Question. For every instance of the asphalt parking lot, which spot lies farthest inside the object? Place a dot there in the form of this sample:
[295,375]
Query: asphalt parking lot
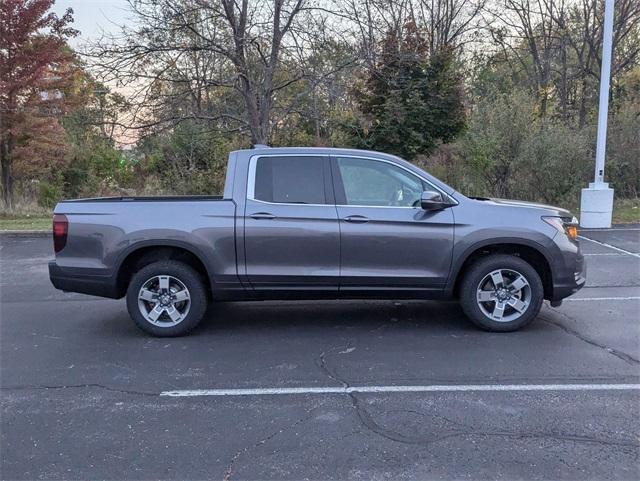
[85,394]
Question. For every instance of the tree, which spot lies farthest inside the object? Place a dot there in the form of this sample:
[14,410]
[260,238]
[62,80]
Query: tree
[32,42]
[316,103]
[527,33]
[452,24]
[557,44]
[222,60]
[92,162]
[411,101]
[583,30]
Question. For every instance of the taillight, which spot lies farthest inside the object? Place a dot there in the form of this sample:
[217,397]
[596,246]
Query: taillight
[60,230]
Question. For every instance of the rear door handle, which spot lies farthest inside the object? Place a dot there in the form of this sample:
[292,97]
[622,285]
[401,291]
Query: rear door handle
[262,215]
[358,219]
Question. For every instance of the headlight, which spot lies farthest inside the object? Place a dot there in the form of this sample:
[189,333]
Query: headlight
[565,225]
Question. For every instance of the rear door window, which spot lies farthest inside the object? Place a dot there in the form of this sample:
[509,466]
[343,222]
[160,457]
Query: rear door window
[290,179]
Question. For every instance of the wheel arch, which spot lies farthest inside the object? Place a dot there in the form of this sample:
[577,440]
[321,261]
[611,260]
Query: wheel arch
[144,253]
[531,252]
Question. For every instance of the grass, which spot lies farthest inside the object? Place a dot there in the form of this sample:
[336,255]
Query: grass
[626,211]
[24,222]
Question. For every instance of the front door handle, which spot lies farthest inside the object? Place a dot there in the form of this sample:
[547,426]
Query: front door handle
[262,215]
[358,219]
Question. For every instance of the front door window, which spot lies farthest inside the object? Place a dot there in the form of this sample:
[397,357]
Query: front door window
[378,184]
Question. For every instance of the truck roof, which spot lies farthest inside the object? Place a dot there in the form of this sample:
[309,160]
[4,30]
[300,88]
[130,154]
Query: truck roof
[265,150]
[260,149]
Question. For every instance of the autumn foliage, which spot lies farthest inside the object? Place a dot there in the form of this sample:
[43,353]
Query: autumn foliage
[35,73]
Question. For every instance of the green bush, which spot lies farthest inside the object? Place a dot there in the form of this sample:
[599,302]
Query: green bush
[492,148]
[553,164]
[622,168]
[509,152]
[190,159]
[49,194]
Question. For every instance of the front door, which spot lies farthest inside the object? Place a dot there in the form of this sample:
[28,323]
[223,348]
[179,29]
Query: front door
[292,241]
[387,241]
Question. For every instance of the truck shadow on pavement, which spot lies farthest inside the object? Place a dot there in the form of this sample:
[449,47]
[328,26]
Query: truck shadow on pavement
[427,316]
[423,317]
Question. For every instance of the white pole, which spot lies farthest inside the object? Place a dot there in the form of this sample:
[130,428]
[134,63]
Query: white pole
[596,204]
[605,75]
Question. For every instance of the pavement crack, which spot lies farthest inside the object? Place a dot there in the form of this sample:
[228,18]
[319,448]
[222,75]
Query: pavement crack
[232,464]
[322,364]
[628,358]
[362,414]
[433,416]
[79,386]
[369,423]
[562,437]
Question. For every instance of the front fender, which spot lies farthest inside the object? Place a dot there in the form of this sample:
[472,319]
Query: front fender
[467,246]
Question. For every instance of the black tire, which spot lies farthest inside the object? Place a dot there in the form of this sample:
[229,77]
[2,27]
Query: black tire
[475,275]
[187,276]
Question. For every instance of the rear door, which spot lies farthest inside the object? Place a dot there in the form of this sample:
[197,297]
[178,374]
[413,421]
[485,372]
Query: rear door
[387,241]
[291,232]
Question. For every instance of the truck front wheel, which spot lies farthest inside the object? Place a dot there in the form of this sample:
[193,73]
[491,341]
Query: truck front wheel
[166,298]
[501,293]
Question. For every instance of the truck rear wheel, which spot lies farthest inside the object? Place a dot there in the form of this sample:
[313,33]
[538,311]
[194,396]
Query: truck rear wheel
[166,298]
[501,293]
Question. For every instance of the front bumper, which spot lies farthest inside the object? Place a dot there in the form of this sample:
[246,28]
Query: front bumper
[75,280]
[571,284]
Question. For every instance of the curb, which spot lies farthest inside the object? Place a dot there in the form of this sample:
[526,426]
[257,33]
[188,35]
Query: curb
[26,233]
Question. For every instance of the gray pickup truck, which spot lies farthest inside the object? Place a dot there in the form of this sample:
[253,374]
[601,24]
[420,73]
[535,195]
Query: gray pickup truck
[317,223]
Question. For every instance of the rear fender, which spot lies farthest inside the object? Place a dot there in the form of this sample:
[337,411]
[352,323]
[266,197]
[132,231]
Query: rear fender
[205,260]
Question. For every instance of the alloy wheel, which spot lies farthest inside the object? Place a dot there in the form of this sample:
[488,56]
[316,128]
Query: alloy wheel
[164,301]
[503,295]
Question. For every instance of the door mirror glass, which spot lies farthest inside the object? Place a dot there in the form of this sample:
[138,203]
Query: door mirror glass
[432,200]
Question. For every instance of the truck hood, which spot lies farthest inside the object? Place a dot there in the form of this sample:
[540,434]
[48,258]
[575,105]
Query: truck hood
[544,208]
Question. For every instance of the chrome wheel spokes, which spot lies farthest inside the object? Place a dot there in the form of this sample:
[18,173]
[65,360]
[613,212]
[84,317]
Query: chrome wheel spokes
[164,300]
[503,295]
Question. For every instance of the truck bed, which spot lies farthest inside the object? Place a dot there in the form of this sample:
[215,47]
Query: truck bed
[158,198]
[103,232]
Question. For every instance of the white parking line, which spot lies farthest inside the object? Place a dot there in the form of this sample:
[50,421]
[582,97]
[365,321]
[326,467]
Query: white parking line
[625,229]
[604,254]
[401,389]
[610,246]
[629,298]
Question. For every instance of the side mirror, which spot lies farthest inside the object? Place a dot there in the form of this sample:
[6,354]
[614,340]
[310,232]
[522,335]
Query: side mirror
[432,200]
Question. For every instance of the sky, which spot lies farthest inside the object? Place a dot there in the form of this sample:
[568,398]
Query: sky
[90,16]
